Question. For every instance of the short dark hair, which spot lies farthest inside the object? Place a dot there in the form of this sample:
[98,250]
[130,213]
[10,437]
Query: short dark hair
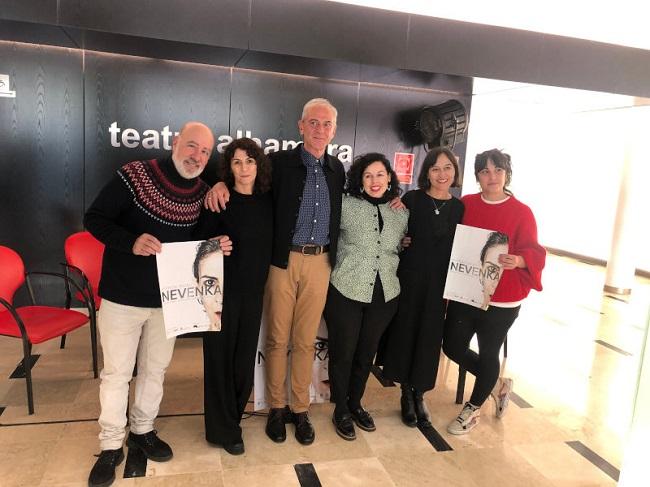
[430,160]
[204,249]
[499,159]
[254,151]
[494,239]
[355,175]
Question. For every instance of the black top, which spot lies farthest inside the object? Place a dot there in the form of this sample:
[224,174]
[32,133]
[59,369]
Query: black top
[143,197]
[431,235]
[248,221]
[289,175]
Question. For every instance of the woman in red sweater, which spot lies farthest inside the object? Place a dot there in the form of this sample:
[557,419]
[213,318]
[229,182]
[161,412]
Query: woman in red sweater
[494,208]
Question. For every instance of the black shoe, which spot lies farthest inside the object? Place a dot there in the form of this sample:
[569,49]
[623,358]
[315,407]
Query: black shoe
[153,447]
[234,448]
[344,426]
[275,428]
[103,472]
[421,410]
[363,419]
[408,407]
[304,430]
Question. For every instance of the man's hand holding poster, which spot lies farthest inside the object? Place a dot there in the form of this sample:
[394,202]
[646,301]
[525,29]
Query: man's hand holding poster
[474,268]
[190,275]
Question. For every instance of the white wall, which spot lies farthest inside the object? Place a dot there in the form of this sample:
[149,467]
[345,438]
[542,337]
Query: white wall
[567,149]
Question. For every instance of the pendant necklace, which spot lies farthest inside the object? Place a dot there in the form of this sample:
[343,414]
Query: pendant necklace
[438,208]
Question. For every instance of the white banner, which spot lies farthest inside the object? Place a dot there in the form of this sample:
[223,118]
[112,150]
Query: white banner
[319,390]
[190,275]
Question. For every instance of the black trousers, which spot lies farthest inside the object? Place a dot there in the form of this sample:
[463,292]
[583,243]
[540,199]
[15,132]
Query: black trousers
[354,329]
[491,327]
[229,363]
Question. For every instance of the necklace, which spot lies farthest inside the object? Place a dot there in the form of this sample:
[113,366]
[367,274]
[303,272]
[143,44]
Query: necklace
[438,208]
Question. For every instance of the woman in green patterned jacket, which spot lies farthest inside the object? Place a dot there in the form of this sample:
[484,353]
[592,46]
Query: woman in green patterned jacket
[364,287]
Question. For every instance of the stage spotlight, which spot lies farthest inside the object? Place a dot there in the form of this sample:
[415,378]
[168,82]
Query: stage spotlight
[440,125]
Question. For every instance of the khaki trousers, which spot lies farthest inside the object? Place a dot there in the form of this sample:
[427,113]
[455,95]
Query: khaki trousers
[294,301]
[127,332]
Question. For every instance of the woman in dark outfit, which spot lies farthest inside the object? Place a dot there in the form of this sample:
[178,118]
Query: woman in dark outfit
[411,347]
[229,355]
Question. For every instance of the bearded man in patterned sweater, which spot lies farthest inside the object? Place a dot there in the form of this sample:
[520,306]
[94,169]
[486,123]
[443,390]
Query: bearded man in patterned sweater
[145,204]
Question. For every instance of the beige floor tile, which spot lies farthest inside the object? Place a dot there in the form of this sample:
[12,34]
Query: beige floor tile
[563,465]
[498,467]
[261,476]
[24,464]
[359,472]
[393,437]
[27,433]
[426,469]
[71,461]
[212,479]
[189,457]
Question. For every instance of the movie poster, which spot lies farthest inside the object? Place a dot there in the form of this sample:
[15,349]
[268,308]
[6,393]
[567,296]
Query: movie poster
[474,269]
[319,389]
[190,275]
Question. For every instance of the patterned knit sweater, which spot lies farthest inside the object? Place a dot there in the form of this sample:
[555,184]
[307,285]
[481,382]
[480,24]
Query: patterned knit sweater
[143,197]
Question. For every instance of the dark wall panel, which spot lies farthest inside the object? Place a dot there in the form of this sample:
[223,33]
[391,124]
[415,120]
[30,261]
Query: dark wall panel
[144,95]
[29,10]
[41,153]
[223,23]
[269,105]
[329,30]
[378,124]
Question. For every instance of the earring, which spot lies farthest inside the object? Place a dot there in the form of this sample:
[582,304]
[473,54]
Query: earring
[389,186]
[361,189]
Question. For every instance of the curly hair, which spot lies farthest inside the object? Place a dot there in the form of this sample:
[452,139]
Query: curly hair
[254,151]
[430,160]
[499,159]
[354,185]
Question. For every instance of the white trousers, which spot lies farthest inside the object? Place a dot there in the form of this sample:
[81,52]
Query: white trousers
[127,332]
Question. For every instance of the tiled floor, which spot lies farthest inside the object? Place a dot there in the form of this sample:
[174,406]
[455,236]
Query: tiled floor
[573,354]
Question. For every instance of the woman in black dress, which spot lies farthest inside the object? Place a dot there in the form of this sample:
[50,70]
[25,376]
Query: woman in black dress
[229,355]
[411,350]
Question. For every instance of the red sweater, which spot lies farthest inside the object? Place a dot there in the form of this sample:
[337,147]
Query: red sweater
[516,220]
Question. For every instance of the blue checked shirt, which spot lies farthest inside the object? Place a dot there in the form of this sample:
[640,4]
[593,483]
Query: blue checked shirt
[313,223]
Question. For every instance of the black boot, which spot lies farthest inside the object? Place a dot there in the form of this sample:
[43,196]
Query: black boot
[421,411]
[408,406]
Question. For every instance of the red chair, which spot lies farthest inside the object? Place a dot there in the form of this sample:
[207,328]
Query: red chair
[84,253]
[37,324]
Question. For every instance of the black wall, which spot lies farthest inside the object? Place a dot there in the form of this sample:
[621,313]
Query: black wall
[57,150]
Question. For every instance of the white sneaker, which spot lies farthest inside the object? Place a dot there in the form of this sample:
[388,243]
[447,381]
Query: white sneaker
[466,420]
[501,395]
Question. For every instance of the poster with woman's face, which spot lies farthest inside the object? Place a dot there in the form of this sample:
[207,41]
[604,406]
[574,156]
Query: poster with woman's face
[190,275]
[474,270]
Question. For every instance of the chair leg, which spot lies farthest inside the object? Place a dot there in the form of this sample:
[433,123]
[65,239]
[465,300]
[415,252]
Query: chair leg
[460,388]
[62,341]
[505,347]
[27,354]
[93,342]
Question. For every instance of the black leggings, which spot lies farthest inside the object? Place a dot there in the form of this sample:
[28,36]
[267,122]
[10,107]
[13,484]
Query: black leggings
[354,330]
[491,328]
